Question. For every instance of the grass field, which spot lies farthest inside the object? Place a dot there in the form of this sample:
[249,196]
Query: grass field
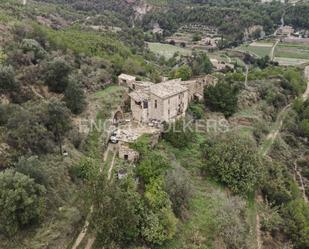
[167,50]
[259,50]
[289,50]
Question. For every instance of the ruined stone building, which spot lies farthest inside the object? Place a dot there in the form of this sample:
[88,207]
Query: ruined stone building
[163,102]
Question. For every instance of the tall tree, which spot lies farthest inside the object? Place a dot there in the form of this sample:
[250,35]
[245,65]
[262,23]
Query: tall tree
[59,121]
[74,97]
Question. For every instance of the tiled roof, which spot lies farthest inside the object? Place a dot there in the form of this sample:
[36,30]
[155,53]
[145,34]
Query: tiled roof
[139,95]
[167,89]
[126,77]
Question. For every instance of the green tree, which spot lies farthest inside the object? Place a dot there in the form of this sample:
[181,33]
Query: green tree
[222,98]
[233,160]
[152,166]
[178,134]
[21,201]
[59,121]
[200,64]
[57,75]
[184,72]
[296,216]
[159,223]
[115,216]
[179,189]
[27,132]
[74,97]
[8,83]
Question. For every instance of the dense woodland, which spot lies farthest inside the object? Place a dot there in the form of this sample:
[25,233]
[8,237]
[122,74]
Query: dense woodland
[191,190]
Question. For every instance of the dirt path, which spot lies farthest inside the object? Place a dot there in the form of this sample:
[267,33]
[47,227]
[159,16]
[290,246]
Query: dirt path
[299,178]
[84,231]
[272,51]
[111,167]
[306,94]
[258,232]
[272,136]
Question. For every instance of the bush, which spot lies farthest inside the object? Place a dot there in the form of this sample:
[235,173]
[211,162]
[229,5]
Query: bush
[27,132]
[178,134]
[33,168]
[21,201]
[197,110]
[233,160]
[8,83]
[57,75]
[296,215]
[32,46]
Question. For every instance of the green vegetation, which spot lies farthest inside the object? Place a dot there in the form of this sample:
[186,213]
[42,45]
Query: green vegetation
[290,50]
[167,50]
[22,201]
[74,97]
[222,98]
[58,61]
[233,161]
[259,51]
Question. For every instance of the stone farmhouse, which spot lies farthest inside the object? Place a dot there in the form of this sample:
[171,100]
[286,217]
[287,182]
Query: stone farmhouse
[163,102]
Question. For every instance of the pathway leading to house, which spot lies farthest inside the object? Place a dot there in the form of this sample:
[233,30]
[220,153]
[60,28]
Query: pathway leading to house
[84,231]
[110,148]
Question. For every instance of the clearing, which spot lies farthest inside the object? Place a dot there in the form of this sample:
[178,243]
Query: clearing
[167,50]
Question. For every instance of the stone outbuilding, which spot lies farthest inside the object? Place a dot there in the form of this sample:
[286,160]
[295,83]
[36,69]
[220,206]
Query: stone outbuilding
[126,153]
[126,80]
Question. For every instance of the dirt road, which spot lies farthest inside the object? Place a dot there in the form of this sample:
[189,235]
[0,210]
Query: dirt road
[84,231]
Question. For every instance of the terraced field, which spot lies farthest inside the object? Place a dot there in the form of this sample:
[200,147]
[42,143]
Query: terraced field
[292,54]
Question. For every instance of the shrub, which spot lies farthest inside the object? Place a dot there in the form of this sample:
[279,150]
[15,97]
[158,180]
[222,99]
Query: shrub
[233,160]
[57,75]
[21,201]
[197,110]
[296,215]
[8,83]
[178,134]
[32,46]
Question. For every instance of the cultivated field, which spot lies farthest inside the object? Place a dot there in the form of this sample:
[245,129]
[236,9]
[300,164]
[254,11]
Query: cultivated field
[292,50]
[259,49]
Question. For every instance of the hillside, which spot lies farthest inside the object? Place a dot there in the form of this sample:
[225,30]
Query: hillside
[82,164]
